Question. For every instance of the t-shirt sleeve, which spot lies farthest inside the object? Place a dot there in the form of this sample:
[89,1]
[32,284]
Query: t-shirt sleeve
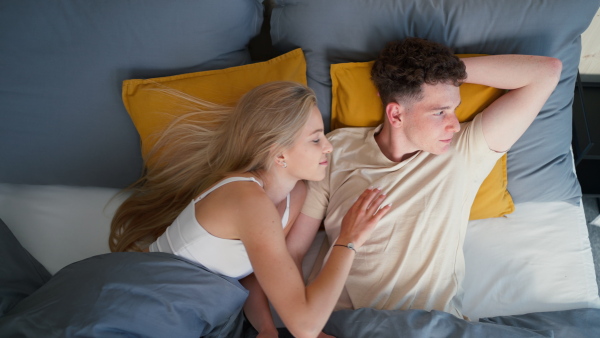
[317,198]
[472,145]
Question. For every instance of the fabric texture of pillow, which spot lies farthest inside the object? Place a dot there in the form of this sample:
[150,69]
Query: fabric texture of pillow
[339,31]
[355,103]
[63,62]
[536,259]
[45,217]
[152,111]
[129,294]
[20,273]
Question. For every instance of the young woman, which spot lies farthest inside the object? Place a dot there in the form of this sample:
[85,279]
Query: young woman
[223,187]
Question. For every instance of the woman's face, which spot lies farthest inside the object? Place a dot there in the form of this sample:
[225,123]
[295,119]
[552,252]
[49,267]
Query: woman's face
[307,159]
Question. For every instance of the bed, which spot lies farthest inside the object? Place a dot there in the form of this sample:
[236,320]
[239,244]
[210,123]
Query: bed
[75,122]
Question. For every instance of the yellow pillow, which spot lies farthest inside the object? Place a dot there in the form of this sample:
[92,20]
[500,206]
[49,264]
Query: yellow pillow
[152,112]
[355,103]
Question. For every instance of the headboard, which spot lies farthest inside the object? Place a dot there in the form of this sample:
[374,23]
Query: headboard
[63,61]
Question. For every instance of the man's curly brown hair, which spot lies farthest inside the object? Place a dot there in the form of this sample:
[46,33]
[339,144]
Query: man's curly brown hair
[404,66]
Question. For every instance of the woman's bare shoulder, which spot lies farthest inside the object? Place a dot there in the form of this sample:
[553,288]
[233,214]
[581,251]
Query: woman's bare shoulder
[234,205]
[240,193]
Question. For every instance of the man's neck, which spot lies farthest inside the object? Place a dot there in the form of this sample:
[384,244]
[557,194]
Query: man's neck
[393,145]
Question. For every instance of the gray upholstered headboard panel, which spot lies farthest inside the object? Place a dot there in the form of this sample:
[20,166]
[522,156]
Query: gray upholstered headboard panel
[62,62]
[335,31]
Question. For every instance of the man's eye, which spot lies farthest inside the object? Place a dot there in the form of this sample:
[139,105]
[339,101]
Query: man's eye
[439,113]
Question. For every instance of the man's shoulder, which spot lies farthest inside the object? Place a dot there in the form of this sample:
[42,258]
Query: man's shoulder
[465,134]
[465,125]
[352,147]
[348,134]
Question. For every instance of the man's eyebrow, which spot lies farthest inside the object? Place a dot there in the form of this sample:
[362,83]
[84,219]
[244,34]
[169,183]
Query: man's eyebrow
[444,107]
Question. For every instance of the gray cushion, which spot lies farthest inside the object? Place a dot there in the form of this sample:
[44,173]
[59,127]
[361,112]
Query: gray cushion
[336,31]
[130,295]
[20,273]
[62,65]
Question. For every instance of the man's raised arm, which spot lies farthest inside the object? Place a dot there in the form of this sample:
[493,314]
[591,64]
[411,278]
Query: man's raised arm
[530,81]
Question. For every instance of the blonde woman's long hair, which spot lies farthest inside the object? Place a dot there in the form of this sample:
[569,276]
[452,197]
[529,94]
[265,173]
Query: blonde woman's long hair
[202,147]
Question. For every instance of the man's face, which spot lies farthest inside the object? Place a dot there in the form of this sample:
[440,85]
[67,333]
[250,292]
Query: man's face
[430,123]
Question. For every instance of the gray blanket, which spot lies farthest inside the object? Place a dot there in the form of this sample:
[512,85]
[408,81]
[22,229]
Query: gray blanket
[419,323]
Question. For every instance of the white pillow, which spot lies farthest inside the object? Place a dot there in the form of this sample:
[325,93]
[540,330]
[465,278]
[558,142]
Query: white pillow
[536,259]
[59,225]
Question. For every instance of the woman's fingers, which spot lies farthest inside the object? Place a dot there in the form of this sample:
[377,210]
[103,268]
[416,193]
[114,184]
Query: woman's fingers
[382,211]
[370,200]
[363,216]
[365,200]
[364,197]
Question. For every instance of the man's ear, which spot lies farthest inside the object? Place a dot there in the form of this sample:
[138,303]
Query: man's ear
[393,112]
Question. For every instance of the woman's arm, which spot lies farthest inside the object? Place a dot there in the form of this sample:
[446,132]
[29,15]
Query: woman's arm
[301,238]
[257,309]
[304,309]
[302,232]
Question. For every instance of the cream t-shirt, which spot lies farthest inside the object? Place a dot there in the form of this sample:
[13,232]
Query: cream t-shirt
[414,258]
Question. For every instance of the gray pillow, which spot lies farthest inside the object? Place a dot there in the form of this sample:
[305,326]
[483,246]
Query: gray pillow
[62,65]
[20,273]
[336,31]
[130,294]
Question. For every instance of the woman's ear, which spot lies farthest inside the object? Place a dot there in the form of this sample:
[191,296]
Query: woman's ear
[394,114]
[280,160]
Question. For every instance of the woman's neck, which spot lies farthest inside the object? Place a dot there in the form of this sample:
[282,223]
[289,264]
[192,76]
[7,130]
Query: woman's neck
[276,185]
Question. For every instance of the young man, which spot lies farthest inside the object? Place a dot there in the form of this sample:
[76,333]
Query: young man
[428,164]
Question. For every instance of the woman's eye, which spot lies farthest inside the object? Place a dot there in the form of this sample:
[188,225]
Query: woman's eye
[316,141]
